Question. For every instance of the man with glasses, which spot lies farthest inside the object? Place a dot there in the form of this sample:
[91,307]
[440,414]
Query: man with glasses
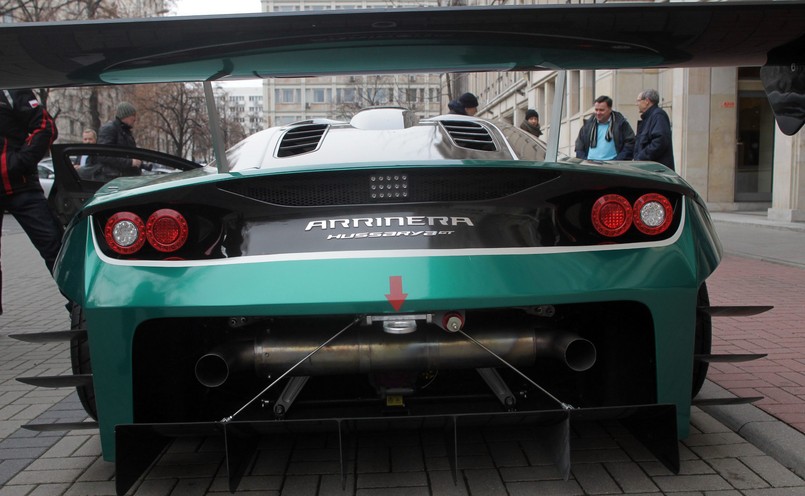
[653,141]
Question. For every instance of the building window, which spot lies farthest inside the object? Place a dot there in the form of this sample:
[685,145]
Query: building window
[319,95]
[287,95]
[347,95]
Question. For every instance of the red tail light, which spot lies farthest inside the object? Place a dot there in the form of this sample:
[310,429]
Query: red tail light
[653,214]
[166,230]
[612,215]
[125,233]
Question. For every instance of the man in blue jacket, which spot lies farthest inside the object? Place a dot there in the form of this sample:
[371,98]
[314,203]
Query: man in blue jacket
[606,135]
[653,141]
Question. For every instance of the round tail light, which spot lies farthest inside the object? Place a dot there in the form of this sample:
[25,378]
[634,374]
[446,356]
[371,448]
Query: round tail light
[653,214]
[166,230]
[612,215]
[124,233]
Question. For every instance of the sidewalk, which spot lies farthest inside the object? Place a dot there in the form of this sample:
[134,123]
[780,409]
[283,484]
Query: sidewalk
[752,235]
[776,423]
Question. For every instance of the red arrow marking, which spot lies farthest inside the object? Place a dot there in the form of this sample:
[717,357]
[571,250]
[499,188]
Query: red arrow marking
[396,297]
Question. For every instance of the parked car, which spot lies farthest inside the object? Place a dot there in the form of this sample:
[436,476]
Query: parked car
[382,270]
[318,279]
[46,174]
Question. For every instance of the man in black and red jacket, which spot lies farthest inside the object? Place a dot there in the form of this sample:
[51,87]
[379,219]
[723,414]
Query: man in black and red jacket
[26,133]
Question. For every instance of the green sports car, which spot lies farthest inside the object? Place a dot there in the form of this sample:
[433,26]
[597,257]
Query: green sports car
[459,280]
[385,271]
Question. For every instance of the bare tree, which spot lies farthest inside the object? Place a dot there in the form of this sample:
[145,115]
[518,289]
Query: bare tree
[366,91]
[372,91]
[172,117]
[169,115]
[232,128]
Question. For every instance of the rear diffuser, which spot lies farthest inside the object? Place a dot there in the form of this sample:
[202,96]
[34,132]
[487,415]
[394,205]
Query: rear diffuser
[139,445]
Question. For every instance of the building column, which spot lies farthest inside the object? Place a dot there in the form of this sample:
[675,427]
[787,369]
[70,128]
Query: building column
[690,119]
[721,136]
[788,194]
[704,120]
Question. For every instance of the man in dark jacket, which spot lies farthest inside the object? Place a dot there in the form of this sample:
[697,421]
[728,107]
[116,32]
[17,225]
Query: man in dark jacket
[467,104]
[26,133]
[118,132]
[531,123]
[653,141]
[606,135]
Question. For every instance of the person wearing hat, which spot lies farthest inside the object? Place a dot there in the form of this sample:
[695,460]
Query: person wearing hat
[118,132]
[467,104]
[531,123]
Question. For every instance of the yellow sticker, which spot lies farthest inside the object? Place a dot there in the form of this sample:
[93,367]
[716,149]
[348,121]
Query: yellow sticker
[395,400]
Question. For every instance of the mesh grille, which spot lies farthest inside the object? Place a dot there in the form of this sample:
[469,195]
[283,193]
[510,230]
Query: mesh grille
[398,186]
[301,139]
[467,134]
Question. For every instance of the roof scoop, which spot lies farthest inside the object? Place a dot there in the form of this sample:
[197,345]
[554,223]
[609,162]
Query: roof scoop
[381,118]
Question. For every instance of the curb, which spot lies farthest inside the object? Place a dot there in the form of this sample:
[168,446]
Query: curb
[756,220]
[772,436]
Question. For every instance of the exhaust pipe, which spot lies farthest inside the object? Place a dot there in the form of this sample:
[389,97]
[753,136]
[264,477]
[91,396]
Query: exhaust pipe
[370,350]
[579,354]
[213,369]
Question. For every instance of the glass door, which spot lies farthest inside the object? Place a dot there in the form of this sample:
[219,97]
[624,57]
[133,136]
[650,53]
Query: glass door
[755,153]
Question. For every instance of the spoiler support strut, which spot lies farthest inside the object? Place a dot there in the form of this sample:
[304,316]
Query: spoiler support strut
[218,145]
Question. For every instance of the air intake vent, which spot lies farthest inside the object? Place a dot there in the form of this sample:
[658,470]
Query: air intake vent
[468,134]
[301,139]
[367,187]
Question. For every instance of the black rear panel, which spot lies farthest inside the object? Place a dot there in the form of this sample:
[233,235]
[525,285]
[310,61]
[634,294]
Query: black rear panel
[394,209]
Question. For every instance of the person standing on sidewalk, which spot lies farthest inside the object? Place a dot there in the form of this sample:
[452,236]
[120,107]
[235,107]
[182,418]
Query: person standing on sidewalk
[606,135]
[653,140]
[88,137]
[467,104]
[531,123]
[118,132]
[26,133]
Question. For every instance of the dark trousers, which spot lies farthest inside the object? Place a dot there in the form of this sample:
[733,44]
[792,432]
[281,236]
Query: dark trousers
[37,220]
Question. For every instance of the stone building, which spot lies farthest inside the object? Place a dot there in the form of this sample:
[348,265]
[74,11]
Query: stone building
[339,97]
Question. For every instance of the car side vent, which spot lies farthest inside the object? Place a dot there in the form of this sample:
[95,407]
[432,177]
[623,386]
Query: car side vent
[468,134]
[301,139]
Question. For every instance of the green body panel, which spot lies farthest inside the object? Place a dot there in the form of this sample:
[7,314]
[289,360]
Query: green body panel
[117,298]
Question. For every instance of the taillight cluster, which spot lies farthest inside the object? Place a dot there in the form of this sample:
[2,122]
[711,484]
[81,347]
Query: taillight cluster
[613,214]
[165,230]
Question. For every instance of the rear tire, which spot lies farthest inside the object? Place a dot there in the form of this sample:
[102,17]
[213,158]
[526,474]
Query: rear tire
[81,361]
[703,340]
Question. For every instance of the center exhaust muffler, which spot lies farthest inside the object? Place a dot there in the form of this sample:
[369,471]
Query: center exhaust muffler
[369,350]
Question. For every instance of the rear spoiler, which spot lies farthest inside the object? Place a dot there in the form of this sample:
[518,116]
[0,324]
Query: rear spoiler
[422,40]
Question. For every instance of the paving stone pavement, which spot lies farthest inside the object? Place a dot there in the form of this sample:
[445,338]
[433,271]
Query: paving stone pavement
[606,459]
[780,377]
